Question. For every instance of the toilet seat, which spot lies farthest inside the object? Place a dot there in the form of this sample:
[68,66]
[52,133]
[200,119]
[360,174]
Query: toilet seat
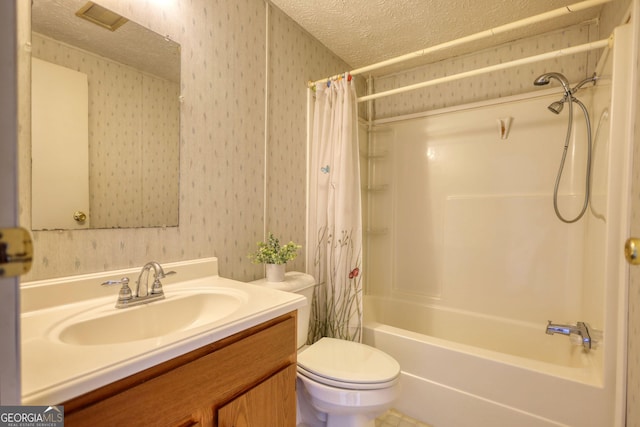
[348,364]
[345,384]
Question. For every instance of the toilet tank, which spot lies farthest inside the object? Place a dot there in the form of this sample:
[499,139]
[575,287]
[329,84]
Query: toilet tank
[298,283]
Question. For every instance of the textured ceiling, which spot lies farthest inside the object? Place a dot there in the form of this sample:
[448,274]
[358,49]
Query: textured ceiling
[363,32]
[130,44]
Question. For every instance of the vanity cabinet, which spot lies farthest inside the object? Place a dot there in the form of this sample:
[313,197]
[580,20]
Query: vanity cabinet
[245,380]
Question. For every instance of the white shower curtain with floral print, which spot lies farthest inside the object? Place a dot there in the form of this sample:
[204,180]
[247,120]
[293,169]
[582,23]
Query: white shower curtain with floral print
[334,253]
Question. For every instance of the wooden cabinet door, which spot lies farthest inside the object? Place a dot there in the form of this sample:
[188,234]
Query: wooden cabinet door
[270,403]
[190,390]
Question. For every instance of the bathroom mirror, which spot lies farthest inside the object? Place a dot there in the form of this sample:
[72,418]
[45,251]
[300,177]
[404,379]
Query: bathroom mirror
[132,126]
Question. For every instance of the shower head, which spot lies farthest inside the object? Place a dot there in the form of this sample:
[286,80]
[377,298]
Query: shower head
[556,107]
[546,78]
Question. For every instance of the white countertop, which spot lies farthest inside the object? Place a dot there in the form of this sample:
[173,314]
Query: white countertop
[54,371]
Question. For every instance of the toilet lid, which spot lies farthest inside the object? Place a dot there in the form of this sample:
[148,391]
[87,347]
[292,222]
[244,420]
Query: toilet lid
[340,361]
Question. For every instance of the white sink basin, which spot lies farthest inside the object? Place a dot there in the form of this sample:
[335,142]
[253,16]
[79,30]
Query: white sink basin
[178,312]
[73,320]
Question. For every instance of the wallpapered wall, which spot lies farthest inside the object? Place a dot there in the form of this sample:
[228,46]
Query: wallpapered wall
[134,133]
[222,150]
[506,82]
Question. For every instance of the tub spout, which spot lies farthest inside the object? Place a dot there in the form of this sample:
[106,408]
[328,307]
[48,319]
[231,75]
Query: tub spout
[588,336]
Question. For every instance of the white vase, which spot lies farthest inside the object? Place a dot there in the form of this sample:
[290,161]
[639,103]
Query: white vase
[275,272]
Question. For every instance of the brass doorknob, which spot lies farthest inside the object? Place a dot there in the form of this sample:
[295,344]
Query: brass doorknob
[631,247]
[79,216]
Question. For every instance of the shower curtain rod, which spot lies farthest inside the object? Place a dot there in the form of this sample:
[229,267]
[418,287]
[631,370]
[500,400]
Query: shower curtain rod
[541,57]
[566,10]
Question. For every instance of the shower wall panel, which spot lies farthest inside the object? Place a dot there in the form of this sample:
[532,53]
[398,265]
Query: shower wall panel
[463,219]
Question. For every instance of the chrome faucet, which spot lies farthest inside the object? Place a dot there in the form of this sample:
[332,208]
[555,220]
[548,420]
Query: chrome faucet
[156,288]
[142,295]
[589,337]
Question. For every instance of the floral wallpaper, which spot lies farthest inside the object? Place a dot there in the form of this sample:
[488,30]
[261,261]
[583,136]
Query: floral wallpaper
[506,82]
[295,59]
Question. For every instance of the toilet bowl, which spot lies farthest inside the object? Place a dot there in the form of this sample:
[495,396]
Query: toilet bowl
[340,383]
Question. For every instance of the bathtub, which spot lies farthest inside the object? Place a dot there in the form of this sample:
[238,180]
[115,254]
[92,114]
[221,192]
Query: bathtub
[465,261]
[463,369]
[459,295]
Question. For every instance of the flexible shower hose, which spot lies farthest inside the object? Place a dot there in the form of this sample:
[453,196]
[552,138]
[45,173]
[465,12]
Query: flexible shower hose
[587,191]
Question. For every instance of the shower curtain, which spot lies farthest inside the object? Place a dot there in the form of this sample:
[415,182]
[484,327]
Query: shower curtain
[334,254]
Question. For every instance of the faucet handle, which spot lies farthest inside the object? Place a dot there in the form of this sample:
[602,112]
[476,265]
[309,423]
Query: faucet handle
[156,288]
[166,273]
[590,336]
[125,293]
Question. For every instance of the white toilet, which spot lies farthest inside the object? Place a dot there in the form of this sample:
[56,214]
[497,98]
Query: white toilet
[340,383]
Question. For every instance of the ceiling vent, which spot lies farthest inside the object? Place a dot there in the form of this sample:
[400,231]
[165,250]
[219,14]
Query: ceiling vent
[101,16]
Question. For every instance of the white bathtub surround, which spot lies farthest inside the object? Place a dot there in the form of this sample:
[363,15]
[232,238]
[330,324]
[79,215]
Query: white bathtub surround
[334,254]
[467,261]
[51,308]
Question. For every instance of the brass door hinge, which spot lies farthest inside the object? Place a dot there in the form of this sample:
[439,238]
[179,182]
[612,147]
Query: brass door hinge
[16,252]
